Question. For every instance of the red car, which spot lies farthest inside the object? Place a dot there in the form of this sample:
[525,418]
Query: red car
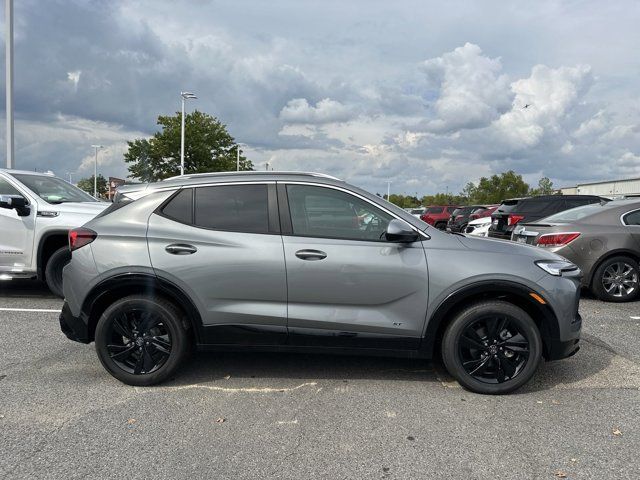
[438,215]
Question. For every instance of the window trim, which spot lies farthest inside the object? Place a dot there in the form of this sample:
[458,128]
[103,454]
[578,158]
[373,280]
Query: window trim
[287,225]
[272,211]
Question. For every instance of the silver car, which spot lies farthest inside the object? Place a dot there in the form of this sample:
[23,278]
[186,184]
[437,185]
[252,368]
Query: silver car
[306,262]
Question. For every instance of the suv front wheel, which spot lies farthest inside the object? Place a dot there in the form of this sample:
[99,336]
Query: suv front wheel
[492,347]
[141,340]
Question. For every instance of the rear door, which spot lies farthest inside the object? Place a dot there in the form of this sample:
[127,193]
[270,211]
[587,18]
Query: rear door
[221,244]
[347,286]
[16,234]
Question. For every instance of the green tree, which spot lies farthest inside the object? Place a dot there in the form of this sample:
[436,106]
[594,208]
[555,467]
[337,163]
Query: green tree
[86,184]
[545,187]
[499,187]
[208,148]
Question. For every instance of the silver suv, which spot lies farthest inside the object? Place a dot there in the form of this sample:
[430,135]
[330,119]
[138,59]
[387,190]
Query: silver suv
[306,262]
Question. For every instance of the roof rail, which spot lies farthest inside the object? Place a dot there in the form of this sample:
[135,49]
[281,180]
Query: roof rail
[250,172]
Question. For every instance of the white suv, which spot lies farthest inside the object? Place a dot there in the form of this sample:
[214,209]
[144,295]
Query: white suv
[37,211]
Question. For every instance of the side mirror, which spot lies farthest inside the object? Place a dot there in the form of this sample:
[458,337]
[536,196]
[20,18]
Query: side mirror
[16,202]
[400,232]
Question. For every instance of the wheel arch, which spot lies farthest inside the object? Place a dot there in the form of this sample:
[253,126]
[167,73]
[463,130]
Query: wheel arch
[124,285]
[512,292]
[49,242]
[613,253]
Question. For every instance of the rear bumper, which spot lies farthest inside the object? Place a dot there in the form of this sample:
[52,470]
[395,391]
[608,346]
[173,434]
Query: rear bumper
[501,235]
[75,328]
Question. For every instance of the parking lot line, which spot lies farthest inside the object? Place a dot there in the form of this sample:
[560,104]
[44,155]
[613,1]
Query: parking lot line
[41,310]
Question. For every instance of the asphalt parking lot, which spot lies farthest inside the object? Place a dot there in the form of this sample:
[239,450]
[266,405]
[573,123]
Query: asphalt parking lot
[308,416]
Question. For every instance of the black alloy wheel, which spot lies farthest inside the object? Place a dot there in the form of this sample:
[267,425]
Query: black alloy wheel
[492,347]
[142,340]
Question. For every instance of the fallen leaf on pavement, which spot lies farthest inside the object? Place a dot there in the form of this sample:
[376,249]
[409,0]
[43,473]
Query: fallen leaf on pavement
[131,421]
[617,432]
[560,474]
[220,420]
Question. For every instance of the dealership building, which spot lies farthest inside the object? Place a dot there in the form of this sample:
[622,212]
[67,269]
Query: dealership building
[609,188]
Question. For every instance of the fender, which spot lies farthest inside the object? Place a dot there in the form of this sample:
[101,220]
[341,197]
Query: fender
[125,284]
[543,315]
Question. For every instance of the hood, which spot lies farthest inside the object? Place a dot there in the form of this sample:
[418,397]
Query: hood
[506,247]
[480,221]
[91,209]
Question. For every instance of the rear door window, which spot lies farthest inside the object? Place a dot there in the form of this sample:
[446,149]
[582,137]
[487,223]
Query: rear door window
[234,208]
[180,207]
[632,218]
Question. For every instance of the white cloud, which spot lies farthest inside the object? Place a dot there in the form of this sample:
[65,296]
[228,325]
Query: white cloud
[472,90]
[541,104]
[326,110]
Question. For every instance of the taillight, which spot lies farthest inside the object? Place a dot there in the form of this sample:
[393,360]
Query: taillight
[556,239]
[458,217]
[474,216]
[79,237]
[513,219]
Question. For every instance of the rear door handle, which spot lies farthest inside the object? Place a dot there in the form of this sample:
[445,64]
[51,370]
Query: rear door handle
[311,254]
[180,249]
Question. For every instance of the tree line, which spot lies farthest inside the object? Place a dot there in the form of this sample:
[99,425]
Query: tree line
[488,190]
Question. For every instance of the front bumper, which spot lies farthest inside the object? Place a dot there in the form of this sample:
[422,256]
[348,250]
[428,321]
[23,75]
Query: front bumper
[75,328]
[558,349]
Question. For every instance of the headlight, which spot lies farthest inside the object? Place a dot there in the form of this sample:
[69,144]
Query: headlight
[556,267]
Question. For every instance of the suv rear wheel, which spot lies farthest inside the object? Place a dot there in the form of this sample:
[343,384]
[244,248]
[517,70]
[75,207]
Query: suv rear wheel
[53,270]
[616,280]
[441,225]
[141,340]
[492,347]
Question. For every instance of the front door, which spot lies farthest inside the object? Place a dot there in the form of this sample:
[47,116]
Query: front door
[347,286]
[16,236]
[222,246]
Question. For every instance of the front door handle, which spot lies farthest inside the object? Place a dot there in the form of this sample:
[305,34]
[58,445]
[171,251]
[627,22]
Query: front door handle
[180,249]
[311,254]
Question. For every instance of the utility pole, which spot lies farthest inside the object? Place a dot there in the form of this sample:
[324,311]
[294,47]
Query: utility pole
[8,42]
[184,96]
[238,157]
[95,172]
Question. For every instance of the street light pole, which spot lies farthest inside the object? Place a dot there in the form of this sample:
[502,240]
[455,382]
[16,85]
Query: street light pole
[238,157]
[388,190]
[184,96]
[8,42]
[95,171]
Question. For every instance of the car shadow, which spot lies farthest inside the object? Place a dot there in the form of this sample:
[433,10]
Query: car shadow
[24,288]
[589,366]
[205,367]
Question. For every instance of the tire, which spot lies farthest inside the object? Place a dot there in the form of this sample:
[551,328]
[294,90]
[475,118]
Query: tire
[53,270]
[441,225]
[609,287]
[518,346]
[141,340]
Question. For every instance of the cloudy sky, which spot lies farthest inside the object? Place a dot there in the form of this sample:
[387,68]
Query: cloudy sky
[429,95]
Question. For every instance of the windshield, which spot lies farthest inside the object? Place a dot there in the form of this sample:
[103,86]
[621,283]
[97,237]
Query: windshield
[575,213]
[53,190]
[416,211]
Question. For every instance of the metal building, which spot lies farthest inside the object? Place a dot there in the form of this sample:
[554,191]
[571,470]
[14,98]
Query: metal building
[609,188]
